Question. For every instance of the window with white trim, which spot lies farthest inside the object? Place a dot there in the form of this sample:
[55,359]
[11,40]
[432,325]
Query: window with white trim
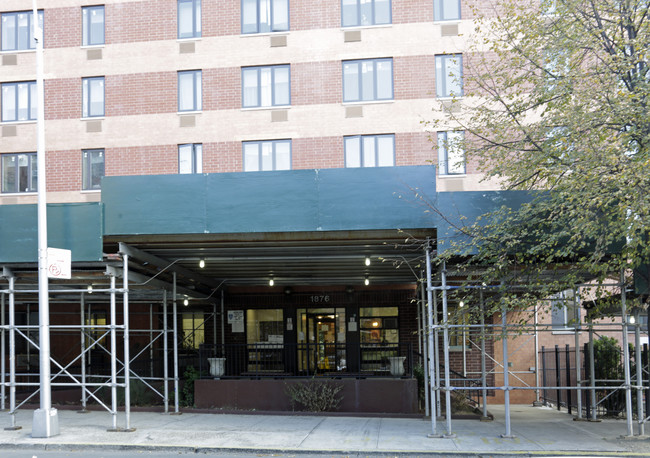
[19,101]
[92,96]
[369,150]
[563,311]
[267,155]
[19,172]
[451,153]
[446,10]
[189,91]
[92,25]
[190,158]
[18,30]
[266,86]
[92,169]
[356,13]
[264,16]
[449,75]
[367,80]
[189,18]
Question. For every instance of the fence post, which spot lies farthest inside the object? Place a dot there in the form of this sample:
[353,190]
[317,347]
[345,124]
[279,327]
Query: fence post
[568,378]
[587,371]
[645,363]
[558,378]
[544,374]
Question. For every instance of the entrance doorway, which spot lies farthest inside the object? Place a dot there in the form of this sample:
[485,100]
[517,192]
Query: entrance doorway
[321,340]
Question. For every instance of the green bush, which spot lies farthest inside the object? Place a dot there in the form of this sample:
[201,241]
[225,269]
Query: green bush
[314,395]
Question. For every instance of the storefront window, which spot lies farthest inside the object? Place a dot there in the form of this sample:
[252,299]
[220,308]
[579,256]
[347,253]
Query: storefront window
[265,338]
[193,330]
[379,325]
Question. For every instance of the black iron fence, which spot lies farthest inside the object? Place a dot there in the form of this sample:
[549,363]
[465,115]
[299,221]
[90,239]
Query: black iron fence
[302,360]
[558,375]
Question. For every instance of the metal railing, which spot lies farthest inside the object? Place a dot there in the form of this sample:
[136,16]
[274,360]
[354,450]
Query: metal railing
[307,359]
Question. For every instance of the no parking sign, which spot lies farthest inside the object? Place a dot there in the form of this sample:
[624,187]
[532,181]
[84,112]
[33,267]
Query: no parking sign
[59,263]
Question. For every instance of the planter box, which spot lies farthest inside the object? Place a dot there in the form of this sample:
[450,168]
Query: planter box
[374,395]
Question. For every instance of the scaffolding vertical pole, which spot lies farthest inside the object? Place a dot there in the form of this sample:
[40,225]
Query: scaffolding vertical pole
[445,348]
[626,359]
[576,334]
[639,373]
[483,366]
[214,327]
[537,401]
[84,400]
[2,352]
[175,332]
[506,383]
[592,372]
[113,357]
[433,360]
[165,354]
[151,340]
[423,338]
[12,354]
[127,352]
[430,338]
[223,324]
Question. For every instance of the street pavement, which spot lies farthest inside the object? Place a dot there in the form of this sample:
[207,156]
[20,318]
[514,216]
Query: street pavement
[537,431]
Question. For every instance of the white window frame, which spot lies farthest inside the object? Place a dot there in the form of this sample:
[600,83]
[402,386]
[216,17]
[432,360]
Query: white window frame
[87,169]
[28,101]
[31,44]
[32,172]
[357,20]
[273,144]
[265,16]
[562,312]
[445,144]
[91,88]
[196,103]
[360,157]
[363,67]
[87,28]
[267,95]
[446,65]
[194,151]
[443,10]
[195,12]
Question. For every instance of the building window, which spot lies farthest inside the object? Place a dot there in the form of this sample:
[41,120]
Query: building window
[193,330]
[189,91]
[369,79]
[19,101]
[92,26]
[446,10]
[451,153]
[548,6]
[267,155]
[563,311]
[189,18]
[92,96]
[365,12]
[370,151]
[263,16]
[92,168]
[190,158]
[18,30]
[19,172]
[266,86]
[449,75]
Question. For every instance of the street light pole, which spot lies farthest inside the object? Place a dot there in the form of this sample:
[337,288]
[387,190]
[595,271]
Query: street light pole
[45,421]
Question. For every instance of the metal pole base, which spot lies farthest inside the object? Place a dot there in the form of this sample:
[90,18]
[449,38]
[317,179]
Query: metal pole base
[487,419]
[83,411]
[537,404]
[435,436]
[449,436]
[508,436]
[176,413]
[13,428]
[120,430]
[45,423]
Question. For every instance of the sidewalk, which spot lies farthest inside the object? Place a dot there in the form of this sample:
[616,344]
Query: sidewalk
[539,431]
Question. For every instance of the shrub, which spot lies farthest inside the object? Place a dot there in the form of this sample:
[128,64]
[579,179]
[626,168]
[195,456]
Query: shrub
[314,395]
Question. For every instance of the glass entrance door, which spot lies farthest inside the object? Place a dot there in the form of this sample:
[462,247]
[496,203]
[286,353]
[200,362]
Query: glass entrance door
[321,340]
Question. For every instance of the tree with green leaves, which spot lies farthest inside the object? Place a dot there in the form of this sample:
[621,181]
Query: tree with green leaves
[556,102]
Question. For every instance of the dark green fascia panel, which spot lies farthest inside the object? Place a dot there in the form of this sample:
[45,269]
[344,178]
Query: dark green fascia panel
[281,201]
[75,226]
[463,208]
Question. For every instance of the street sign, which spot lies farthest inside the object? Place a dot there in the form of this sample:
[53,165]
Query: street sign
[59,263]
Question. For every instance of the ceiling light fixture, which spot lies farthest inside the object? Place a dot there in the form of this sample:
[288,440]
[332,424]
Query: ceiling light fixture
[90,289]
[186,302]
[367,261]
[366,281]
[462,304]
[271,282]
[202,263]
